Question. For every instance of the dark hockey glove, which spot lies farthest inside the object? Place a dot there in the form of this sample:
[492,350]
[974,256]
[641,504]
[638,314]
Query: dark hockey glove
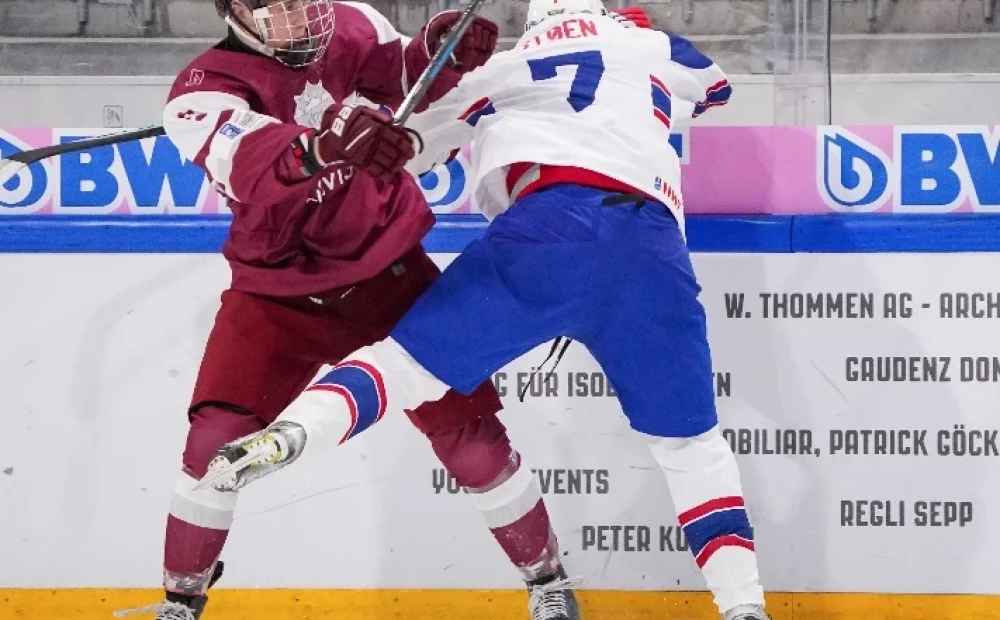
[473,49]
[363,138]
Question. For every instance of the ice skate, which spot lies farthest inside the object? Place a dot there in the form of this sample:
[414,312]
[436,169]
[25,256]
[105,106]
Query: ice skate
[552,598]
[177,606]
[746,612]
[254,456]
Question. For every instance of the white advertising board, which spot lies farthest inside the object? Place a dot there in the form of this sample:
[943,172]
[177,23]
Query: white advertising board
[860,393]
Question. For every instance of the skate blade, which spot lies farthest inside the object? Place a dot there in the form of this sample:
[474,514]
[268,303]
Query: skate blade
[149,609]
[213,476]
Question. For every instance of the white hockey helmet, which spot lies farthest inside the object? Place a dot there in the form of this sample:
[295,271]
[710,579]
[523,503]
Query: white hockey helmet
[540,10]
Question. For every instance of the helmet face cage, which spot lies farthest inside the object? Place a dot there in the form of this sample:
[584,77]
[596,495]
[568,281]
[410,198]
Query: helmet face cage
[296,32]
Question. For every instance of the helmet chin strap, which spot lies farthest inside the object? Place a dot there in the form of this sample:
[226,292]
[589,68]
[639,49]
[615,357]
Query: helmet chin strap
[248,38]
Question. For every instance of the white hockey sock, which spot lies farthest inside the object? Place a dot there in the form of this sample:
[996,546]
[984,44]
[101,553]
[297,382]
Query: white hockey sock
[704,482]
[509,497]
[355,394]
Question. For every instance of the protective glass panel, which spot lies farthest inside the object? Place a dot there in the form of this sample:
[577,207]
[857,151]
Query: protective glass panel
[793,62]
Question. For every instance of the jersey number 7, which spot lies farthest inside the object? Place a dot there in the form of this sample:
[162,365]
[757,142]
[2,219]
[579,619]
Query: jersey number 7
[589,69]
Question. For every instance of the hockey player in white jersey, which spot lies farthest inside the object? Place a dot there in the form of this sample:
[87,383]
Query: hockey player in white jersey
[572,164]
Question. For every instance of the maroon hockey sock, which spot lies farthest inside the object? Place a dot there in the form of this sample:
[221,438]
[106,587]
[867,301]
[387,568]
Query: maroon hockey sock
[190,552]
[199,521]
[530,543]
[504,490]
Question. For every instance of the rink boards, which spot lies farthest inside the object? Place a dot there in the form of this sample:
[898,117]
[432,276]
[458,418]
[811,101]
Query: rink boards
[410,604]
[857,373]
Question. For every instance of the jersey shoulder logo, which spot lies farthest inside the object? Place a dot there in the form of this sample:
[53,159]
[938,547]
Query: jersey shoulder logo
[196,77]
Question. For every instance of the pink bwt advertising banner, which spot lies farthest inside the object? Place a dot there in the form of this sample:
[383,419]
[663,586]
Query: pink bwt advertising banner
[725,170]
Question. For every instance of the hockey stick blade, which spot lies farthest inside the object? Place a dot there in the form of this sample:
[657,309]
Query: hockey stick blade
[10,169]
[437,63]
[29,157]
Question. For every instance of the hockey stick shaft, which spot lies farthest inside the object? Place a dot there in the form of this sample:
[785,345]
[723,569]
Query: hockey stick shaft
[10,166]
[30,157]
[437,63]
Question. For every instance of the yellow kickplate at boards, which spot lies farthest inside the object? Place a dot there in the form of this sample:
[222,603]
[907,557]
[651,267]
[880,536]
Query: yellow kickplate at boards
[236,604]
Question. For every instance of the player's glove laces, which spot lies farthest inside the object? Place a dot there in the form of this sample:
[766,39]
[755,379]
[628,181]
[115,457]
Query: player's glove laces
[562,342]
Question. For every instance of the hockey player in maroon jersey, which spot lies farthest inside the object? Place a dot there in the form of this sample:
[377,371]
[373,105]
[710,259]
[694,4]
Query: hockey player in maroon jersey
[325,254]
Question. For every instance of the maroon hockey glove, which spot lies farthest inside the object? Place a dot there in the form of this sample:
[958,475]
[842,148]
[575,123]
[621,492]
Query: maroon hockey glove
[364,138]
[473,49]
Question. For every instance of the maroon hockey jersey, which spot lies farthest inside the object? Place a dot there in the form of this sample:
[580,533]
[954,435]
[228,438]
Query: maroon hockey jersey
[237,114]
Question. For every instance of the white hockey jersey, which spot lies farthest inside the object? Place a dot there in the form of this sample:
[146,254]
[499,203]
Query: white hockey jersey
[581,91]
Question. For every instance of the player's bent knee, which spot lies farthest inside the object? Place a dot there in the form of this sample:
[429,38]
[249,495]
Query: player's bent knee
[212,426]
[455,410]
[501,487]
[409,384]
[475,454]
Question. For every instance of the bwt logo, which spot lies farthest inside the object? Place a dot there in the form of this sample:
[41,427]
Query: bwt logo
[29,188]
[446,186]
[934,170]
[854,174]
[148,176]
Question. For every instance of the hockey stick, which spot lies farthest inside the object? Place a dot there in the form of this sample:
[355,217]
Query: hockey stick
[437,63]
[11,166]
